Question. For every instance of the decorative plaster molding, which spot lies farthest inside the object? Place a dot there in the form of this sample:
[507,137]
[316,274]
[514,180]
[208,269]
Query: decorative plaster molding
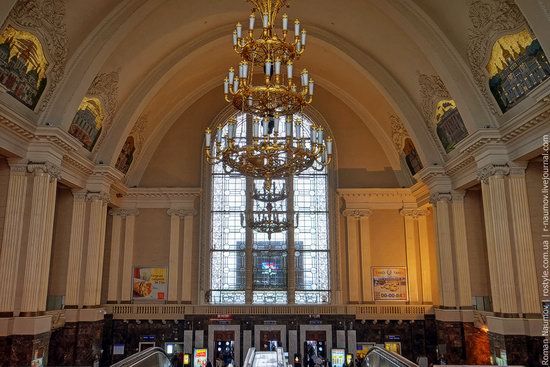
[46,17]
[138,132]
[491,19]
[169,193]
[414,213]
[399,132]
[98,196]
[357,213]
[105,87]
[490,170]
[182,213]
[440,196]
[79,195]
[122,212]
[49,168]
[432,91]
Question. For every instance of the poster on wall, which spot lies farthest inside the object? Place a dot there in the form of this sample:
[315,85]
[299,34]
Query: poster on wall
[150,284]
[200,358]
[338,357]
[389,283]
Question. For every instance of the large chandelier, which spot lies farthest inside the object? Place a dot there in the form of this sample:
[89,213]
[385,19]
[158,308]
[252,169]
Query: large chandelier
[279,145]
[269,220]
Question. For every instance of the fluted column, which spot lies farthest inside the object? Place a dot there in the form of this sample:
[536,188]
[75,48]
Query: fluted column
[114,262]
[425,263]
[366,255]
[128,259]
[96,245]
[76,246]
[461,252]
[444,250]
[523,243]
[494,176]
[413,253]
[173,266]
[355,282]
[39,241]
[11,240]
[187,284]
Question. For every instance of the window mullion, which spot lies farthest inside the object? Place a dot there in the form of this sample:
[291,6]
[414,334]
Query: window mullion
[291,249]
[249,248]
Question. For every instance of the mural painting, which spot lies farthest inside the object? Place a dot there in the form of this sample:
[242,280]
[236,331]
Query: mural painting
[517,65]
[88,121]
[449,125]
[23,66]
[412,158]
[126,155]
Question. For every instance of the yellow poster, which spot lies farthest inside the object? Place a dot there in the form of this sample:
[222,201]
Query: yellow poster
[150,284]
[389,283]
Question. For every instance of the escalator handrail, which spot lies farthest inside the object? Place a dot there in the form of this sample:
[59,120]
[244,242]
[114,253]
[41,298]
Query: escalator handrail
[395,358]
[140,356]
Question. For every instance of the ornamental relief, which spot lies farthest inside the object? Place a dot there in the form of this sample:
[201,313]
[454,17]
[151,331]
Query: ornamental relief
[405,146]
[38,26]
[491,19]
[132,146]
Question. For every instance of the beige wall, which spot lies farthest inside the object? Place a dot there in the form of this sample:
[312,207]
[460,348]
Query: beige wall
[388,238]
[534,187]
[477,243]
[152,238]
[4,182]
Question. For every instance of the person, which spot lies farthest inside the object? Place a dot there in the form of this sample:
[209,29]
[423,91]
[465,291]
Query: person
[422,361]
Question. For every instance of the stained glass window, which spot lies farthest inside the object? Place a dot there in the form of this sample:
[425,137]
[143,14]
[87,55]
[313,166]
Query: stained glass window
[234,248]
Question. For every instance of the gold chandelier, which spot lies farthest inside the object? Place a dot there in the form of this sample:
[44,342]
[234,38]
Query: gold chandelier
[272,91]
[279,146]
[269,220]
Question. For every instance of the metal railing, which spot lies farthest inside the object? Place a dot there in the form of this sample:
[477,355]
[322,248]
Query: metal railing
[152,357]
[380,357]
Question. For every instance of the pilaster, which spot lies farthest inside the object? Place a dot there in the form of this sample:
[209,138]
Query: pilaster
[355,281]
[413,252]
[76,246]
[113,294]
[187,283]
[425,264]
[11,239]
[128,257]
[461,251]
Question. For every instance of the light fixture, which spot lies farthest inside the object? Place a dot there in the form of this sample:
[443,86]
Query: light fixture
[271,104]
[273,90]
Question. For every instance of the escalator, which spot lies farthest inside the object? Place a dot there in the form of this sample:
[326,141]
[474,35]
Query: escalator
[152,357]
[265,359]
[380,357]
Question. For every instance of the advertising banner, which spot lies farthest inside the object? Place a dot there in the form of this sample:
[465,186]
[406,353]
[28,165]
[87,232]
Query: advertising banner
[338,357]
[389,283]
[150,284]
[200,358]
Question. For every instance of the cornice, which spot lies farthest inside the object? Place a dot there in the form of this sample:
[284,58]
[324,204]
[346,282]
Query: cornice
[163,192]
[162,197]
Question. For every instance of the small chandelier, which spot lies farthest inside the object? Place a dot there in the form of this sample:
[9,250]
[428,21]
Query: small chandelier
[269,221]
[274,55]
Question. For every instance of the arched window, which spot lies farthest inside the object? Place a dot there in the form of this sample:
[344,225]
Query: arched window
[247,266]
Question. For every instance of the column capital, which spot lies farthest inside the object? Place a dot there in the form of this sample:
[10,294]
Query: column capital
[44,168]
[17,166]
[122,212]
[413,213]
[98,196]
[182,213]
[357,213]
[490,170]
[440,196]
[79,195]
[458,195]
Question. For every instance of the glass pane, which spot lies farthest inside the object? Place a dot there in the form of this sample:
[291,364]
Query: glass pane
[312,270]
[228,193]
[227,297]
[228,270]
[227,232]
[271,297]
[310,193]
[270,270]
[311,233]
[303,297]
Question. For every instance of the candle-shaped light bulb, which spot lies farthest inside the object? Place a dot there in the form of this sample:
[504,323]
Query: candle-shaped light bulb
[289,69]
[299,46]
[320,134]
[226,86]
[266,20]
[277,66]
[296,28]
[235,38]
[305,78]
[241,69]
[256,129]
[285,22]
[239,30]
[250,100]
[276,121]
[236,85]
[231,76]
[288,127]
[208,137]
[311,87]
[251,21]
[268,67]
[329,145]
[304,37]
[245,69]
[265,126]
[298,127]
[219,136]
[313,134]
